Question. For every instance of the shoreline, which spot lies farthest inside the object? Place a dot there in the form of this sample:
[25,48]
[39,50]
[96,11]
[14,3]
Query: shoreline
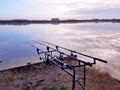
[29,75]
[26,22]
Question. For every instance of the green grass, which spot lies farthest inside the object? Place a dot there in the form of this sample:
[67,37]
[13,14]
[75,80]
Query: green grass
[54,87]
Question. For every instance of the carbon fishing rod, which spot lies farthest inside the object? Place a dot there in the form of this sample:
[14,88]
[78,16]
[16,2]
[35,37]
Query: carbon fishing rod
[98,59]
[87,63]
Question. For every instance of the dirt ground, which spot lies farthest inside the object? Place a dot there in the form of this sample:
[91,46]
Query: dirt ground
[35,77]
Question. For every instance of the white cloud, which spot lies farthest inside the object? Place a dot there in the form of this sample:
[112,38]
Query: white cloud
[94,9]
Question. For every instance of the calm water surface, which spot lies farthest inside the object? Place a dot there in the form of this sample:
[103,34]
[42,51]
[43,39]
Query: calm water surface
[101,40]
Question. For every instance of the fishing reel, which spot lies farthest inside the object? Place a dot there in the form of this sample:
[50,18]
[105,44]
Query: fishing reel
[39,54]
[72,56]
[61,57]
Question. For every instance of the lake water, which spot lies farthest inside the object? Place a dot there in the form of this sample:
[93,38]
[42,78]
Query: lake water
[101,40]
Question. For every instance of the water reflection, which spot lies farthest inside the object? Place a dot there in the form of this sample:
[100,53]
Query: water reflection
[99,40]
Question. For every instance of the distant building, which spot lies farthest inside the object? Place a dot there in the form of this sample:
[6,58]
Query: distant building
[55,19]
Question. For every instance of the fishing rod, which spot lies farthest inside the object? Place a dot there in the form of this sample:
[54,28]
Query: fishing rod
[94,58]
[86,63]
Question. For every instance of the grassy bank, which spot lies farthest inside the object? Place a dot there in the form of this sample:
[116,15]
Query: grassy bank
[42,77]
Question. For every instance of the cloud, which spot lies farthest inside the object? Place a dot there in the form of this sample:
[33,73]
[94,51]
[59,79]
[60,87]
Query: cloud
[96,12]
[93,9]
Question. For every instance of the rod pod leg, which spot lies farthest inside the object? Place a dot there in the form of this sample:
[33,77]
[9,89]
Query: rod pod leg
[73,81]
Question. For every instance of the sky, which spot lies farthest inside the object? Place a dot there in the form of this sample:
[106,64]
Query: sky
[63,9]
